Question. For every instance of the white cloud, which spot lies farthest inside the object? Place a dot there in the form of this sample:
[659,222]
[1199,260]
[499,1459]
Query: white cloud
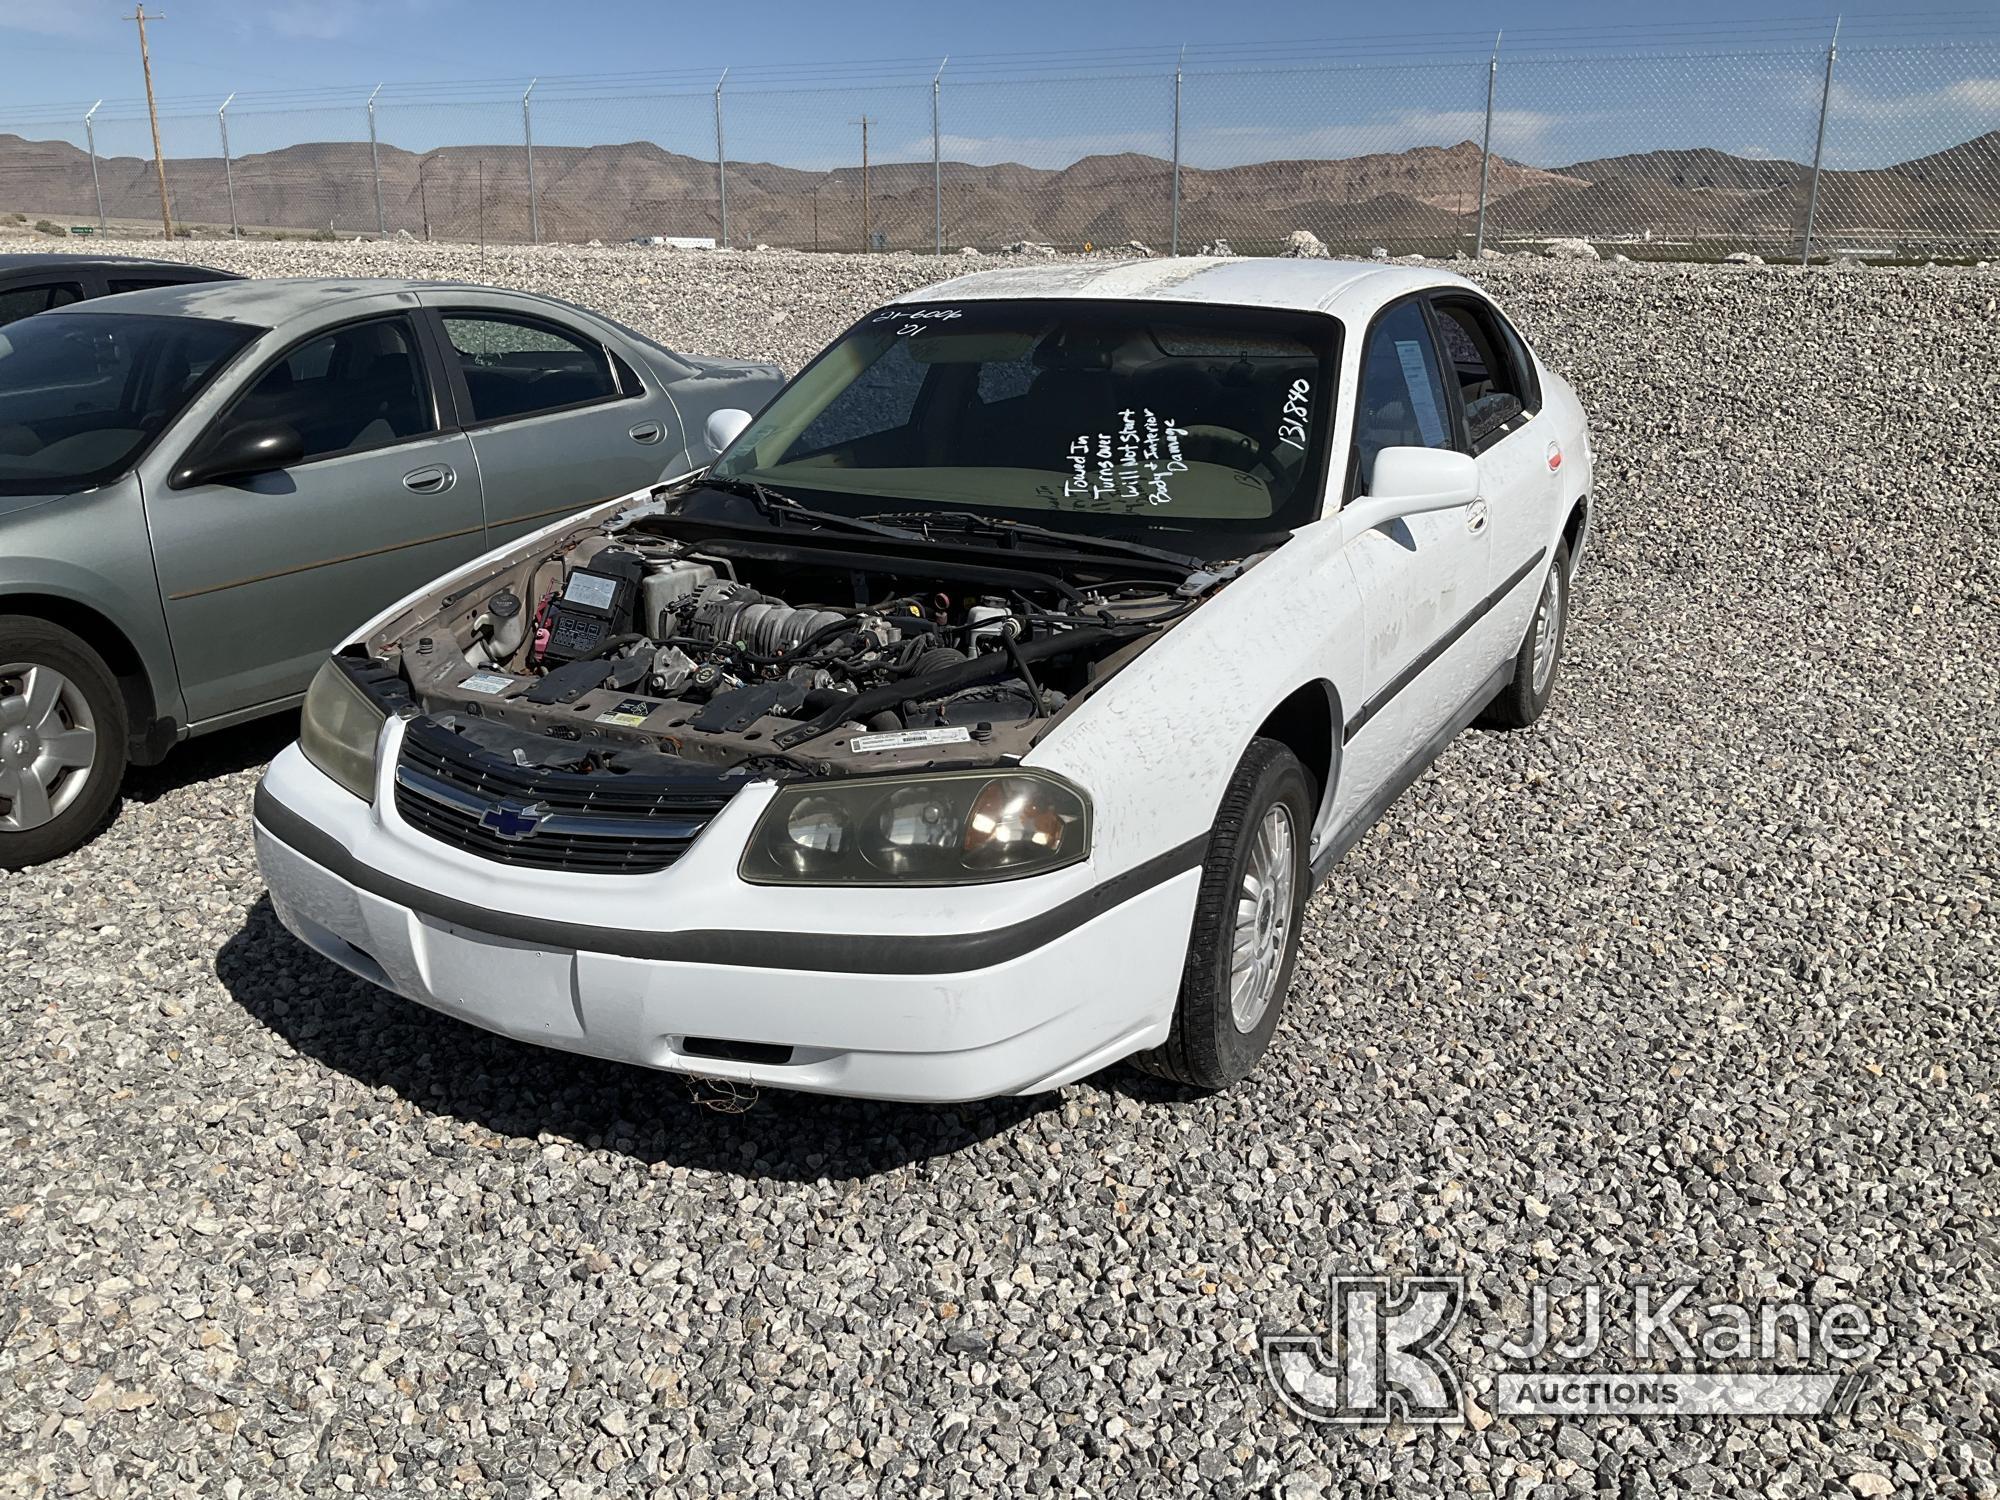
[1970,99]
[47,17]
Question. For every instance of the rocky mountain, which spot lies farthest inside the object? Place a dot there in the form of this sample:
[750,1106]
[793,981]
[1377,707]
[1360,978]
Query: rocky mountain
[1426,196]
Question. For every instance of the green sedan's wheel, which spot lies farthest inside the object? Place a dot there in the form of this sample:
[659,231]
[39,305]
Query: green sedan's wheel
[62,741]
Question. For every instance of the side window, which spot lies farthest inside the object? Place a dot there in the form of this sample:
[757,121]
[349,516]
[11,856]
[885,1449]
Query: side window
[1401,403]
[117,284]
[516,367]
[1490,372]
[883,398]
[355,388]
[24,301]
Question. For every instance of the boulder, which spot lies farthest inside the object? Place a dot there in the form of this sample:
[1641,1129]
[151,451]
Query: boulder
[1303,244]
[1144,252]
[970,250]
[1742,258]
[1030,247]
[1571,250]
[1489,253]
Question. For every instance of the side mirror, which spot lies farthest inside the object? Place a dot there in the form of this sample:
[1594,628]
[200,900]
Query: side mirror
[1413,482]
[724,426]
[242,452]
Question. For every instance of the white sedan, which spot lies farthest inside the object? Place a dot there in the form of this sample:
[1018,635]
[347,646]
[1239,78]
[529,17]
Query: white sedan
[985,714]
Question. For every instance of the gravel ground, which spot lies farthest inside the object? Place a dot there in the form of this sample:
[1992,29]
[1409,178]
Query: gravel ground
[1694,982]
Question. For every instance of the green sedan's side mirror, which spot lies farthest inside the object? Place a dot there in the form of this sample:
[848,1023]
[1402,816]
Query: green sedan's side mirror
[241,452]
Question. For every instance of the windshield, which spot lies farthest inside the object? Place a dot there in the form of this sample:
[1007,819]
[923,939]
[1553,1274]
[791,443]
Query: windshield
[83,394]
[1118,418]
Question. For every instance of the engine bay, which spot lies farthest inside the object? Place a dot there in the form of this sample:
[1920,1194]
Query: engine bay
[655,644]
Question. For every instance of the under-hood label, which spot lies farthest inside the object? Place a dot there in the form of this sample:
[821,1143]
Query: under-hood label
[910,739]
[632,712]
[488,682]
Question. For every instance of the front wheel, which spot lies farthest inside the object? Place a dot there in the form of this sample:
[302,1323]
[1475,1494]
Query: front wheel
[1539,661]
[62,741]
[1247,917]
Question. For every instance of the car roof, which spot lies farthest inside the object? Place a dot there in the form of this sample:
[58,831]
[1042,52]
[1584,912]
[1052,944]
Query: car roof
[63,260]
[1346,288]
[273,302]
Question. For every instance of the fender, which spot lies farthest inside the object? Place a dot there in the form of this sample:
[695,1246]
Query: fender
[27,571]
[1281,625]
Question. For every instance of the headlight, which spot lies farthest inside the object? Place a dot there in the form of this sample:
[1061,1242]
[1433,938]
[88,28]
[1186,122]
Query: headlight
[954,828]
[338,728]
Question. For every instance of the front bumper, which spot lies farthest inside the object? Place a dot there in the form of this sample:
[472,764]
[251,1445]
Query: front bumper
[917,995]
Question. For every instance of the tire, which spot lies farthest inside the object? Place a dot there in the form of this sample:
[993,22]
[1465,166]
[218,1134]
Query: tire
[1522,701]
[63,741]
[1213,1043]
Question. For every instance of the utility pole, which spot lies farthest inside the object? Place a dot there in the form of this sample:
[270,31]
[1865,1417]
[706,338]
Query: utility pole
[867,217]
[482,210]
[153,113]
[424,193]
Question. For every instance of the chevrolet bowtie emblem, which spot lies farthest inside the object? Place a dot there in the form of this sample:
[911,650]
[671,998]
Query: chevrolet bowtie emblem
[513,821]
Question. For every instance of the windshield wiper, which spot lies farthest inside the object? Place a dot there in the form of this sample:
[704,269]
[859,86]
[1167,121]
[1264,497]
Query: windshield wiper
[967,520]
[777,507]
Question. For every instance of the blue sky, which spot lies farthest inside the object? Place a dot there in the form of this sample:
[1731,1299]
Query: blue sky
[803,71]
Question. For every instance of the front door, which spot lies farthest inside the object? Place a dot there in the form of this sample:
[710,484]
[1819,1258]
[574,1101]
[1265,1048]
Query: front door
[557,421]
[263,575]
[1421,579]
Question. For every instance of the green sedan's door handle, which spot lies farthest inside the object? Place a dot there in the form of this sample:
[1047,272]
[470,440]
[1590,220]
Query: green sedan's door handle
[432,479]
[647,432]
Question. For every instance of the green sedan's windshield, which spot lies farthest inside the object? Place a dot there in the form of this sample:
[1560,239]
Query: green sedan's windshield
[83,394]
[1108,417]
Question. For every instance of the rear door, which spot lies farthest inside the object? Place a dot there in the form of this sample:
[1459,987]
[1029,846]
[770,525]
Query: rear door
[1519,459]
[263,575]
[558,418]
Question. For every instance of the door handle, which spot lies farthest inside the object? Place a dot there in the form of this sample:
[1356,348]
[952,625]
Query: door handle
[431,479]
[647,432]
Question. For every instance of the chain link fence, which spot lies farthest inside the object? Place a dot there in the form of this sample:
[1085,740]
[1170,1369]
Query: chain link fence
[1878,151]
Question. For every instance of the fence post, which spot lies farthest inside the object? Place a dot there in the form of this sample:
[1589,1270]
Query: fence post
[1486,148]
[937,165]
[528,140]
[1174,234]
[721,171]
[375,168]
[1819,145]
[90,136]
[228,166]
